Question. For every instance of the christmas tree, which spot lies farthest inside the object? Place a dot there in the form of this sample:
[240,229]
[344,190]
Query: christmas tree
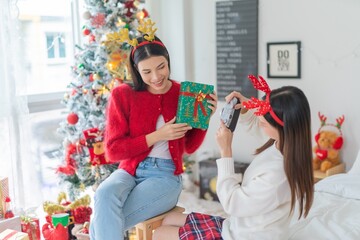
[99,66]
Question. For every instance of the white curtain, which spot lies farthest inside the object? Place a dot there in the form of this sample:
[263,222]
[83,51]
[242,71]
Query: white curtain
[15,159]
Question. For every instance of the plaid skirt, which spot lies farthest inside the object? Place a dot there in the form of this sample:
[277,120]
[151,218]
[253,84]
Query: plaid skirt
[201,227]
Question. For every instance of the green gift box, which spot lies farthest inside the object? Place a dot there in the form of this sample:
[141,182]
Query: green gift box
[193,106]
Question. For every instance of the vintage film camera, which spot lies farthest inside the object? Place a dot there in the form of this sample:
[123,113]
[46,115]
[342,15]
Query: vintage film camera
[229,115]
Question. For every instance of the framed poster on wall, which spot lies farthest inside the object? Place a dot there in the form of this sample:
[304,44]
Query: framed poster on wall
[284,60]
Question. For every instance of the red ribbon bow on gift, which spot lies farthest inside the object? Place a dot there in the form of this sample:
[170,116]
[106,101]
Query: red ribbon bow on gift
[199,98]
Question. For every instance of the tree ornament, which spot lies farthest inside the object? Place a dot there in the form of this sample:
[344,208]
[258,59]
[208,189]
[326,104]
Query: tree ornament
[140,15]
[73,92]
[86,31]
[91,77]
[87,15]
[98,21]
[81,66]
[94,140]
[72,118]
[96,76]
[92,38]
[128,13]
[129,4]
[146,13]
[69,167]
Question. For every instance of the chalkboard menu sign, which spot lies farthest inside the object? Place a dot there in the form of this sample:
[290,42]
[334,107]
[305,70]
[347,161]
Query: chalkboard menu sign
[236,46]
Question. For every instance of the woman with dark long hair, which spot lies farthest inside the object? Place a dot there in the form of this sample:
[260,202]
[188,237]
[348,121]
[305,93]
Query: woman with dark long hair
[261,205]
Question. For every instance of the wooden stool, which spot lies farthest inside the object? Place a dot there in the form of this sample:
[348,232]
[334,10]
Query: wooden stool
[144,230]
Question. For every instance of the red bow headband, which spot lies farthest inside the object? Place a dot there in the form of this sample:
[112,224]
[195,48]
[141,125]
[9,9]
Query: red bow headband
[263,107]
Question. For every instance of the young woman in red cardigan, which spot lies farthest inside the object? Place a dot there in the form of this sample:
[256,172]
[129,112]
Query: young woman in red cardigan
[142,135]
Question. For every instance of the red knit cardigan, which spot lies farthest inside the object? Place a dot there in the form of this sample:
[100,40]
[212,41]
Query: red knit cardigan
[133,114]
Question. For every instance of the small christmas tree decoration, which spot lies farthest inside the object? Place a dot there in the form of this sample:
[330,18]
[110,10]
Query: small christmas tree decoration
[72,118]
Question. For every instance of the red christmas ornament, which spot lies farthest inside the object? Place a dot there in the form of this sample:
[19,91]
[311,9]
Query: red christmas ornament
[129,13]
[129,4]
[145,13]
[82,142]
[92,38]
[86,31]
[72,118]
[91,77]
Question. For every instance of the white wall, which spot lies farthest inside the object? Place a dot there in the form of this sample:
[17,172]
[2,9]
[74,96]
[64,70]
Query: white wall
[330,36]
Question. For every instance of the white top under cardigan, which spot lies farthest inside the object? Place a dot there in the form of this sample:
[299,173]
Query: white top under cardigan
[259,207]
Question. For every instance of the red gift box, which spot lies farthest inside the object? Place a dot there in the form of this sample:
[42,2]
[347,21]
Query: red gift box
[31,226]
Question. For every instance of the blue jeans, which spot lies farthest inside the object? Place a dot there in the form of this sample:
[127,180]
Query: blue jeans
[123,200]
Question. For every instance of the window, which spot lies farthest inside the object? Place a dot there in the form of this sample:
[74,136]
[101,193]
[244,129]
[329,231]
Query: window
[47,51]
[55,43]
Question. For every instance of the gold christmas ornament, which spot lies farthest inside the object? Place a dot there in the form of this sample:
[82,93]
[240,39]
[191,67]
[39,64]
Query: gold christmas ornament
[96,76]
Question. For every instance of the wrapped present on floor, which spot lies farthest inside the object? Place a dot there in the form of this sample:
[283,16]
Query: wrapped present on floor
[31,226]
[193,106]
[4,193]
[10,234]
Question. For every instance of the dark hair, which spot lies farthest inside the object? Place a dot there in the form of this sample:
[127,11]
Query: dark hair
[291,105]
[142,53]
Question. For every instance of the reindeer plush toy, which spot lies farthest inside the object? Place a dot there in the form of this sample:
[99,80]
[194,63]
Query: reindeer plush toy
[328,144]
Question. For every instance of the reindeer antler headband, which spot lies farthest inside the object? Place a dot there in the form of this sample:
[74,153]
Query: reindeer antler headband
[339,121]
[263,107]
[146,28]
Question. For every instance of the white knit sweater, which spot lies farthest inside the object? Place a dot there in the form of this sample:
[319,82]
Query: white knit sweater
[258,207]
